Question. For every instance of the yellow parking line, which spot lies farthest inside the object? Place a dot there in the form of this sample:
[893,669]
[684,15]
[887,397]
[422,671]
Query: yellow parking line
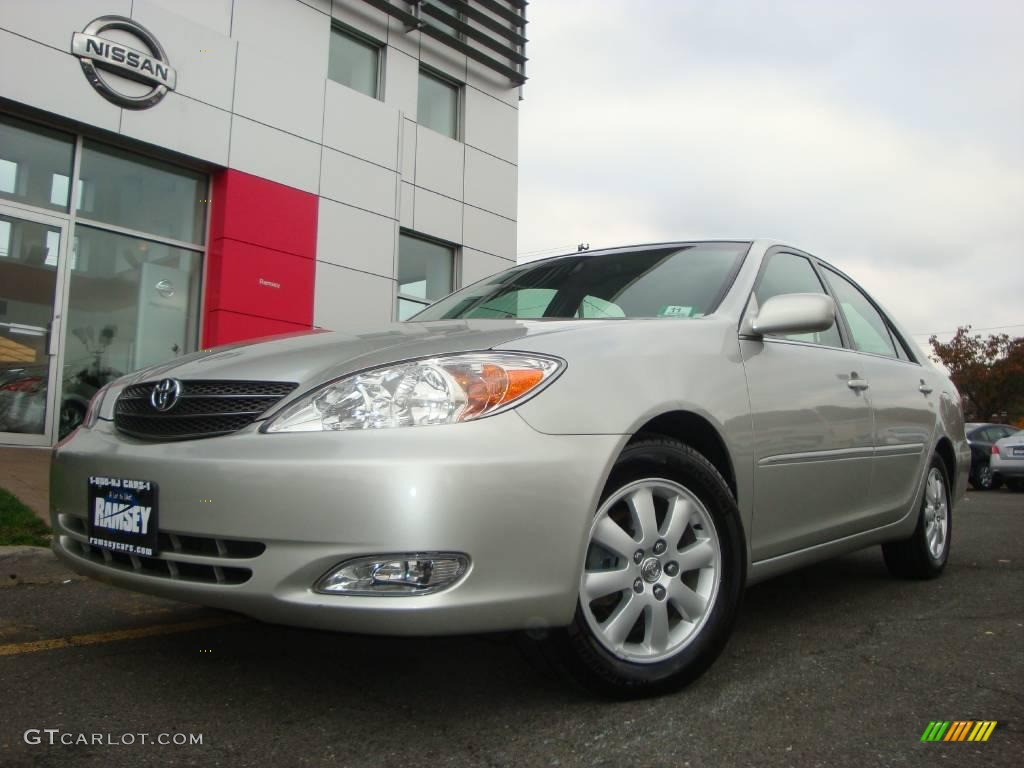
[72,641]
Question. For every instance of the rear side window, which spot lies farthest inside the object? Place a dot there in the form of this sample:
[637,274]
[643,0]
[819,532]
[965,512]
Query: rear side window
[789,273]
[868,328]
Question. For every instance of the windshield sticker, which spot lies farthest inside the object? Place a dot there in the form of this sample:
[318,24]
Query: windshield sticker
[674,310]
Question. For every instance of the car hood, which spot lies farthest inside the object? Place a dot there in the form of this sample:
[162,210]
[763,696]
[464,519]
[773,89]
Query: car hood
[314,357]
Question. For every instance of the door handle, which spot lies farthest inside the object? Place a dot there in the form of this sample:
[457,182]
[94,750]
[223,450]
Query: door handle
[925,388]
[856,383]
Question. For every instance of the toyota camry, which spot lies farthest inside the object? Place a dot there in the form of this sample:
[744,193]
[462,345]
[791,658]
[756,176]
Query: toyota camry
[604,448]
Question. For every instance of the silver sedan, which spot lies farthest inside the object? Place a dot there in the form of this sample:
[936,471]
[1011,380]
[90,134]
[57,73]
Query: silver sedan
[604,448]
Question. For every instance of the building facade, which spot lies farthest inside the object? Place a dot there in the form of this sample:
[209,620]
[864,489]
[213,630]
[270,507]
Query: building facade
[178,174]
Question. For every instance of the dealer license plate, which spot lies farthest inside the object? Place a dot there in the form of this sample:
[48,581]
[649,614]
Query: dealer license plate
[122,515]
[1018,450]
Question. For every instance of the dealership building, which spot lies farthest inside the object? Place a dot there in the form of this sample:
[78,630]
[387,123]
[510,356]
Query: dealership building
[178,174]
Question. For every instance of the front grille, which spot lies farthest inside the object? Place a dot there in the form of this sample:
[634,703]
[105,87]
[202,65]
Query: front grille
[169,565]
[203,408]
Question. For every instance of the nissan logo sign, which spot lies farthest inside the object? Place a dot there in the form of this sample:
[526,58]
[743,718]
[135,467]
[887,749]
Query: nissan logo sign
[165,394]
[99,54]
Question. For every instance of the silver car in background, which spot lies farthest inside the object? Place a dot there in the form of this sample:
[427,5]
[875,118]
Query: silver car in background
[605,448]
[1007,461]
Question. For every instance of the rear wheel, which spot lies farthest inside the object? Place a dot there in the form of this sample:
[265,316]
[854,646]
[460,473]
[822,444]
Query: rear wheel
[662,577]
[924,554]
[985,479]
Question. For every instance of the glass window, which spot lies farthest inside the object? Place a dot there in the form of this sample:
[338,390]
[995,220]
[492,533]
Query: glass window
[140,193]
[867,326]
[678,282]
[438,105]
[35,164]
[789,273]
[424,273]
[132,303]
[28,280]
[444,5]
[354,62]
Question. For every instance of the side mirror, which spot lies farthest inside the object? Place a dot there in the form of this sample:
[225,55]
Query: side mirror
[795,313]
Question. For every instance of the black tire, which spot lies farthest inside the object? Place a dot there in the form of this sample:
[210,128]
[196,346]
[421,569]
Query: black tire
[984,479]
[911,558]
[577,649]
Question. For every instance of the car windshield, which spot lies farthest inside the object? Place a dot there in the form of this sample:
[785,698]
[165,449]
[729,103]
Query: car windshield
[682,281]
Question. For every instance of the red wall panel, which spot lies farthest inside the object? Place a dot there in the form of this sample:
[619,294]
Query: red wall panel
[229,327]
[260,281]
[260,263]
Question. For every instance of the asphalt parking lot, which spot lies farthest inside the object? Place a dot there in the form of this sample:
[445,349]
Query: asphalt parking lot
[834,665]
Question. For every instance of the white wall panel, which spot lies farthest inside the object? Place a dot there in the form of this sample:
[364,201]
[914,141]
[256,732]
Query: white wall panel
[350,301]
[476,265]
[183,125]
[400,38]
[439,56]
[438,216]
[491,82]
[274,155]
[356,182]
[407,205]
[439,162]
[362,17]
[360,125]
[408,159]
[487,232]
[401,81]
[53,21]
[350,237]
[491,125]
[215,15]
[57,83]
[203,58]
[282,64]
[490,183]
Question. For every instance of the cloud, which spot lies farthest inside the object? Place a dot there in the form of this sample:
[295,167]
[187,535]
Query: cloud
[721,131]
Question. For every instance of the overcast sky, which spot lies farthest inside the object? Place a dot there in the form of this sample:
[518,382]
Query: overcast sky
[885,137]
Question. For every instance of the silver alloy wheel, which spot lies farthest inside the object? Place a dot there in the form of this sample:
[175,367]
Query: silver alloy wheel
[652,570]
[936,514]
[985,476]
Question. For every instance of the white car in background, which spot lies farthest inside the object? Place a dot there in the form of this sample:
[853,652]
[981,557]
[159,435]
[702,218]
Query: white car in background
[1007,461]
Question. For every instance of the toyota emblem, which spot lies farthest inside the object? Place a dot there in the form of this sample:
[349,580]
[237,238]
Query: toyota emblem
[165,394]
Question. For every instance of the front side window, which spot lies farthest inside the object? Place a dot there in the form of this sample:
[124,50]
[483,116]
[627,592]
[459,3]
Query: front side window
[686,281]
[867,326]
[355,62]
[789,273]
[438,104]
[425,270]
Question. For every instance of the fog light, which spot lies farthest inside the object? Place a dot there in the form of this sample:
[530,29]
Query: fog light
[402,574]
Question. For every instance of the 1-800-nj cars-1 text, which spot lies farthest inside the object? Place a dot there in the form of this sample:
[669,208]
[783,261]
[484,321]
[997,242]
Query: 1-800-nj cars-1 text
[607,445]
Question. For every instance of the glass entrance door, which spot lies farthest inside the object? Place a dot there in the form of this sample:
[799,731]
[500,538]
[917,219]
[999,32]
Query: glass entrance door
[32,257]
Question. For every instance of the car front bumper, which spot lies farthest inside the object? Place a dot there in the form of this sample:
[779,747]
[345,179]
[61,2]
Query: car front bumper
[517,502]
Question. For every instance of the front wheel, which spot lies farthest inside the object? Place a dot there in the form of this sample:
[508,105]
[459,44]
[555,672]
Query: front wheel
[924,554]
[662,577]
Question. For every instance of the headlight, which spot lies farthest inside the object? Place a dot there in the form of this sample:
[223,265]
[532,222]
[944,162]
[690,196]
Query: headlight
[441,390]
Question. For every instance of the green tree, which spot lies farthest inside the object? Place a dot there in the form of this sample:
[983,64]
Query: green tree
[989,372]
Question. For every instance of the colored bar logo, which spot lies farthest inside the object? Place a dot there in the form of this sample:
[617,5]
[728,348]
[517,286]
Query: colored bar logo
[958,730]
